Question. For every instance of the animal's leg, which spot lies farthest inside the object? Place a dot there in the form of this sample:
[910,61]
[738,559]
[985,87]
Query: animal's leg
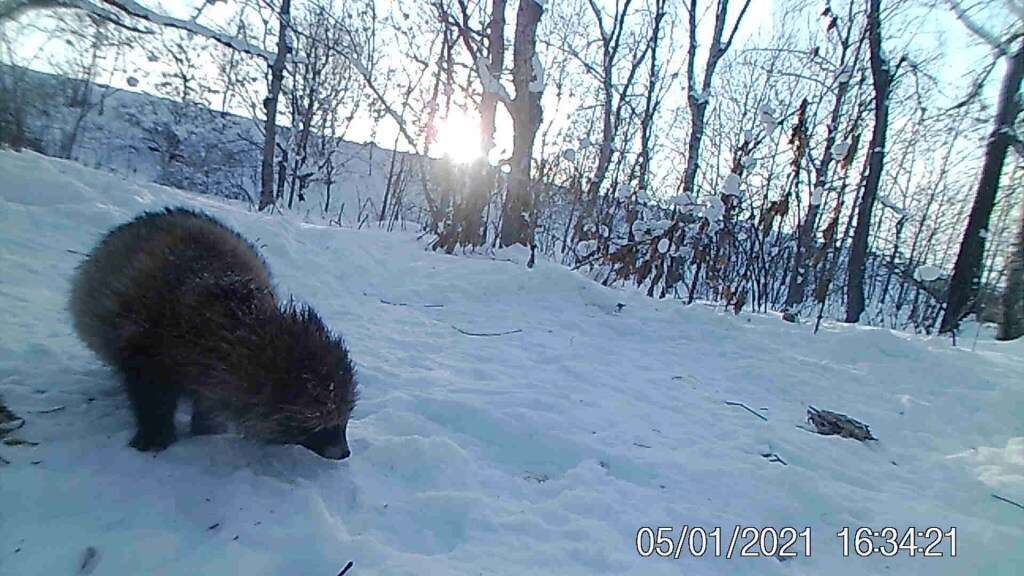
[154,403]
[205,419]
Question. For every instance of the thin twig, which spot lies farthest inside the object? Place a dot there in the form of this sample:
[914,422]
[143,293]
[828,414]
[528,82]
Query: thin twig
[345,569]
[390,303]
[461,331]
[76,252]
[49,410]
[747,408]
[1008,501]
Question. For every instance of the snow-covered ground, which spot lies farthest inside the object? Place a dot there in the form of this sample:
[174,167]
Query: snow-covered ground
[540,451]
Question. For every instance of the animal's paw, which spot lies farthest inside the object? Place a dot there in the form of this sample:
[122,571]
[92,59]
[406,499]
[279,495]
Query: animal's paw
[153,441]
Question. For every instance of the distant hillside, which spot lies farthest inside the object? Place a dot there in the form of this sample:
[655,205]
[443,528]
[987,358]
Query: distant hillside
[192,147]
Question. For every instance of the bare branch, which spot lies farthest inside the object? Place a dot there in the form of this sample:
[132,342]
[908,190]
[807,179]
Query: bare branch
[976,29]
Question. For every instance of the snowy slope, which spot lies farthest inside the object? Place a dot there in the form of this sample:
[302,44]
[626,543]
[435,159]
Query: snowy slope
[535,452]
[214,153]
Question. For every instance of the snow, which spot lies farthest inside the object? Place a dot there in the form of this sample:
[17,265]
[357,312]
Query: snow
[489,82]
[537,78]
[891,205]
[766,115]
[927,273]
[817,195]
[541,451]
[732,184]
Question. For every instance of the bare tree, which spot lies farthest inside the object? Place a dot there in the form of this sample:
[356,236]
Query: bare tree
[697,97]
[270,106]
[528,81]
[966,280]
[1012,325]
[882,73]
[845,68]
[91,45]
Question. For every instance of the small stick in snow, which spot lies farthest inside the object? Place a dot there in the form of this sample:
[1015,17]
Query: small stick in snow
[77,252]
[639,445]
[89,560]
[213,526]
[345,569]
[747,408]
[49,410]
[773,457]
[19,442]
[506,333]
[1008,501]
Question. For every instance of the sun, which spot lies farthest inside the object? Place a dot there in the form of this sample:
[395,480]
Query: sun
[458,137]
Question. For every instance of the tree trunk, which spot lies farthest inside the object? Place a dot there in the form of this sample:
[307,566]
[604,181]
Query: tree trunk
[963,287]
[516,225]
[471,207]
[881,77]
[270,107]
[496,61]
[1012,326]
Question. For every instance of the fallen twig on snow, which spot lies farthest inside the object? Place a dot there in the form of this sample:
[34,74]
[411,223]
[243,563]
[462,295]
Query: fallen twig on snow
[747,408]
[773,457]
[49,410]
[389,303]
[346,568]
[19,442]
[467,333]
[1008,501]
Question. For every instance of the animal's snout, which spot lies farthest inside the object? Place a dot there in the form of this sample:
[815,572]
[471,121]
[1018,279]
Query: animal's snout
[329,443]
[339,452]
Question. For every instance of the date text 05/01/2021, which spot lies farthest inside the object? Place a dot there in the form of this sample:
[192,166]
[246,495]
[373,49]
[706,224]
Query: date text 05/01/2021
[790,542]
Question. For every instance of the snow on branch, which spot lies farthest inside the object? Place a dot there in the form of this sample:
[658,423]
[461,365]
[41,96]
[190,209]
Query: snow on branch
[113,11]
[537,75]
[489,82]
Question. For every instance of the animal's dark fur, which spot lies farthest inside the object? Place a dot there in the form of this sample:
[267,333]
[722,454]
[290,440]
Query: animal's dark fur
[183,305]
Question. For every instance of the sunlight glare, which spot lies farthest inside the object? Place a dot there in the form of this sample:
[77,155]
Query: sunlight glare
[458,137]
